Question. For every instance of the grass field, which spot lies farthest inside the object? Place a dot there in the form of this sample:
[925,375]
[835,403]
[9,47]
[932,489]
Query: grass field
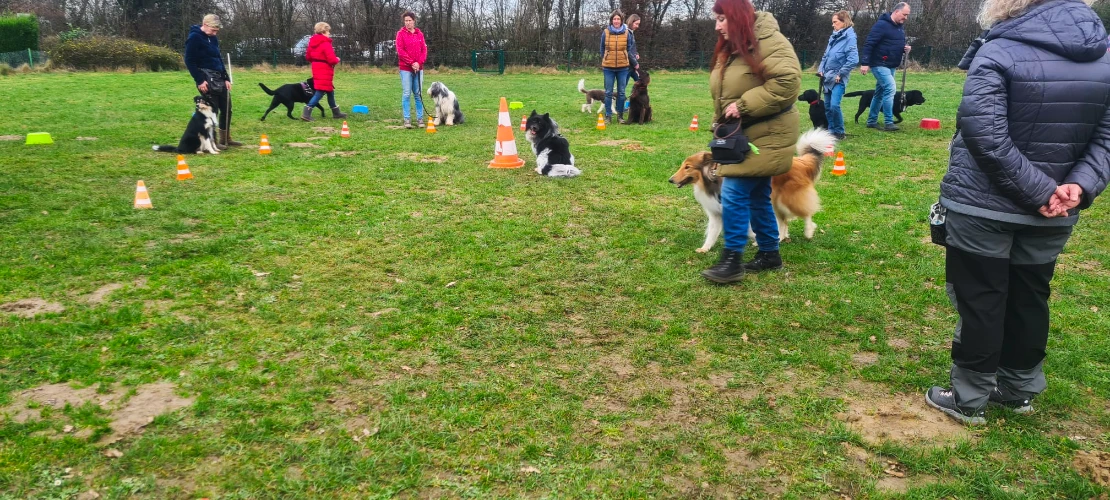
[384,316]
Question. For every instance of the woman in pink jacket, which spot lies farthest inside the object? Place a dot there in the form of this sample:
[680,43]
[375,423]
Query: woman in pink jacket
[322,56]
[411,54]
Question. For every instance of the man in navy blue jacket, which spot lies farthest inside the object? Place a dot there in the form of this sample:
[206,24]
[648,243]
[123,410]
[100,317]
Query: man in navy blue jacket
[202,58]
[882,54]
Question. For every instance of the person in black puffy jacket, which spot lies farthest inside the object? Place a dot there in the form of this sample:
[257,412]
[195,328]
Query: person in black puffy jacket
[882,54]
[1032,149]
[206,65]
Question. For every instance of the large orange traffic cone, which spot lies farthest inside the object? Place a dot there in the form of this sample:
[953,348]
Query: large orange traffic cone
[694,124]
[346,132]
[600,122]
[431,128]
[264,146]
[183,169]
[142,198]
[523,123]
[838,166]
[504,152]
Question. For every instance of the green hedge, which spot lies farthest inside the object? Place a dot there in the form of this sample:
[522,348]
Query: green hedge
[109,52]
[19,33]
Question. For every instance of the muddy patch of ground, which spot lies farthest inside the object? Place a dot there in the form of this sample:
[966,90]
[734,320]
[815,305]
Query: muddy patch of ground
[865,358]
[340,154]
[130,410]
[325,130]
[318,138]
[1095,465]
[301,145]
[899,344]
[417,157]
[616,143]
[29,308]
[11,137]
[98,296]
[181,238]
[86,138]
[905,419]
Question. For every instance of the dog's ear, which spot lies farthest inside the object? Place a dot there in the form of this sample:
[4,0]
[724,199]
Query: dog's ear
[705,158]
[547,116]
[533,113]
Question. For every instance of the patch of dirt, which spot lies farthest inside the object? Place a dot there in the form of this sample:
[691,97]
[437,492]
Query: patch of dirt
[899,344]
[181,238]
[619,365]
[740,461]
[905,419]
[11,137]
[102,293]
[128,415]
[29,308]
[616,143]
[301,145]
[318,138]
[865,358]
[341,154]
[1095,465]
[890,207]
[86,138]
[421,158]
[325,130]
[394,127]
[635,146]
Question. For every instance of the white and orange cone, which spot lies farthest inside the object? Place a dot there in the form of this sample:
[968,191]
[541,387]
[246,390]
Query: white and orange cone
[694,124]
[838,166]
[504,152]
[523,123]
[346,132]
[431,128]
[142,197]
[264,146]
[830,150]
[600,122]
[183,172]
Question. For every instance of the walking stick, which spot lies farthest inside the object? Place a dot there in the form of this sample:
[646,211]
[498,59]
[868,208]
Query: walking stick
[905,68]
[227,108]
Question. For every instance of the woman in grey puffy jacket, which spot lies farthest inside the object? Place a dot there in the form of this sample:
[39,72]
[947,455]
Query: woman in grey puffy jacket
[841,57]
[1032,149]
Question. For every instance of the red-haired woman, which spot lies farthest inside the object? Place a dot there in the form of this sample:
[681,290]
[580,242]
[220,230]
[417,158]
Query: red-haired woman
[755,79]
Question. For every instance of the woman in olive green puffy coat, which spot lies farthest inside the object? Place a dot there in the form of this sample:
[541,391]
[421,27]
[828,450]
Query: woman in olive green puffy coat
[755,78]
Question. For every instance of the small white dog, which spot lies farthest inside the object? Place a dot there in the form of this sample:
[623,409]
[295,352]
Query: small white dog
[447,105]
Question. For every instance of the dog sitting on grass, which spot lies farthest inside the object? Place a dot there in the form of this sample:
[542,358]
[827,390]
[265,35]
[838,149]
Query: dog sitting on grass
[553,158]
[200,133]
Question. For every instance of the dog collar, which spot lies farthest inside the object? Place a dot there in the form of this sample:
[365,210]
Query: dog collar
[814,103]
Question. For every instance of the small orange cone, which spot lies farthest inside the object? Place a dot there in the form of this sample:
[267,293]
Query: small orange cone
[183,169]
[694,124]
[830,150]
[523,123]
[504,151]
[142,198]
[600,122]
[431,128]
[838,166]
[346,132]
[264,146]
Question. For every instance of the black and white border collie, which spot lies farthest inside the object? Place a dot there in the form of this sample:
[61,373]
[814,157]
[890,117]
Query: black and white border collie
[200,134]
[552,150]
[447,105]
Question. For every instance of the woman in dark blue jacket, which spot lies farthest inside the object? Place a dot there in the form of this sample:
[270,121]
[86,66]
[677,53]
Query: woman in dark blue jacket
[841,57]
[202,58]
[1032,150]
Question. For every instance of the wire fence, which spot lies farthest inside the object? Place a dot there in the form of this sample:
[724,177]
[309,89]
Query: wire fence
[29,57]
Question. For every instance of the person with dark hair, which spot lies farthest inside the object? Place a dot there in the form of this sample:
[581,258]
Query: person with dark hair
[616,60]
[841,57]
[1032,149]
[633,25]
[206,65]
[322,56]
[755,80]
[412,52]
[882,54]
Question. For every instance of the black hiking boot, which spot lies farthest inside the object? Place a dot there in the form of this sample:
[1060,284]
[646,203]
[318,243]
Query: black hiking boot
[945,401]
[764,261]
[729,269]
[1018,405]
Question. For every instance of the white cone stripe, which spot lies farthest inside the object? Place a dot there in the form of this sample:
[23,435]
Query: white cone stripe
[140,189]
[508,148]
[503,120]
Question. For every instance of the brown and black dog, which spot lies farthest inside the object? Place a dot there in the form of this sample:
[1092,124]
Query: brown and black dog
[639,104]
[793,194]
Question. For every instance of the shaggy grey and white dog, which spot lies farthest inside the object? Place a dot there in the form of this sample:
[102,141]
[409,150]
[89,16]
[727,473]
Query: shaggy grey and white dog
[447,105]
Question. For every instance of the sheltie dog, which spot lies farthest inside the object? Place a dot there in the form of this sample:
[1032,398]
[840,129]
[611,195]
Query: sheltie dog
[447,105]
[793,194]
[200,133]
[552,150]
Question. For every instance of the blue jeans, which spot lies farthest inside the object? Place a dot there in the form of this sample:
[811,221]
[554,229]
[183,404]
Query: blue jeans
[410,87]
[744,200]
[620,77]
[832,109]
[884,95]
[320,94]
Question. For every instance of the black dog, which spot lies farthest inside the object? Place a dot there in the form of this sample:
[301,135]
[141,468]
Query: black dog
[913,98]
[289,94]
[639,104]
[553,158]
[816,108]
[200,133]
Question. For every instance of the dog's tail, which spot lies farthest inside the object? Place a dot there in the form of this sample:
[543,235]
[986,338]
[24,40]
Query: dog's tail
[165,149]
[266,90]
[812,145]
[582,85]
[855,94]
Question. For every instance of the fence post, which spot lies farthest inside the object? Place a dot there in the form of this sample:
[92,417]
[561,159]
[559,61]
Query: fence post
[30,59]
[273,62]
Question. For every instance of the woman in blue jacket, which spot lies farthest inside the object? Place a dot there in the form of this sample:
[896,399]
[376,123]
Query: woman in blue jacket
[841,57]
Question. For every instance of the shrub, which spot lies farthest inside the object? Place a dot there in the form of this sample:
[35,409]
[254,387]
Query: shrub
[109,52]
[19,33]
[73,33]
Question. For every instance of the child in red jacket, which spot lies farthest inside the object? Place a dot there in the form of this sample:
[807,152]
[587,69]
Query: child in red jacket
[322,56]
[412,51]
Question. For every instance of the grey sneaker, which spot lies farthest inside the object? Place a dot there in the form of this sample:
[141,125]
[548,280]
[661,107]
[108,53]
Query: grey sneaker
[890,127]
[945,401]
[408,123]
[420,122]
[1018,405]
[872,125]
